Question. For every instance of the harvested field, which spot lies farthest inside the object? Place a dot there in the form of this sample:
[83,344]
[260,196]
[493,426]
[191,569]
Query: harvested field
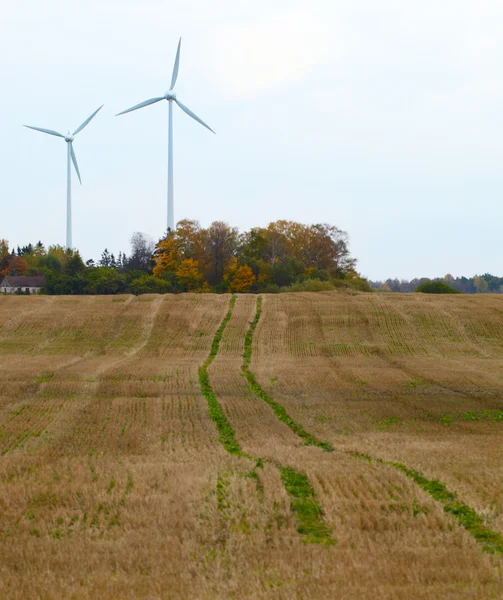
[290,446]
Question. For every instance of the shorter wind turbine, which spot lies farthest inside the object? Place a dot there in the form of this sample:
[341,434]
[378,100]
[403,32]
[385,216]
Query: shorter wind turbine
[69,137]
[170,96]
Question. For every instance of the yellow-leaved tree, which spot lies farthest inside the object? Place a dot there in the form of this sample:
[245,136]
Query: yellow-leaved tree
[177,246]
[188,274]
[166,256]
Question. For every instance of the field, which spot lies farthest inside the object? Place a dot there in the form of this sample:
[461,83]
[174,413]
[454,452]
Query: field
[322,445]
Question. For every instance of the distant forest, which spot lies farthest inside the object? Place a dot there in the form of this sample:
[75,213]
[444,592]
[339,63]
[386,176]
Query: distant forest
[478,284]
[284,256]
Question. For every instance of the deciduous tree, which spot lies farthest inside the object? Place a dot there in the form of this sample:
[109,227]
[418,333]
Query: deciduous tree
[142,251]
[219,242]
[188,274]
[16,266]
[242,280]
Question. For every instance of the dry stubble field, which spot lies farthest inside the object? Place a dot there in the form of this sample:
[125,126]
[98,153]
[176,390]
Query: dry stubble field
[290,446]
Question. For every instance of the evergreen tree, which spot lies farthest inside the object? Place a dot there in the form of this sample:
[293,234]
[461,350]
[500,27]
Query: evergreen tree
[105,258]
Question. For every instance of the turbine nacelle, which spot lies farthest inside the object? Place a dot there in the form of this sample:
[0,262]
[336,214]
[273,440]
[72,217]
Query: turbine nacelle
[170,95]
[69,138]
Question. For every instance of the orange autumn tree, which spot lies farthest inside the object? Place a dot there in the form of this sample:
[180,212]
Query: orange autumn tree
[166,257]
[242,280]
[281,254]
[16,266]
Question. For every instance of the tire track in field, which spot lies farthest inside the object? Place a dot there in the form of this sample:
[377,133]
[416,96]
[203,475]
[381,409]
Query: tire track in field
[18,317]
[35,437]
[489,540]
[420,375]
[32,388]
[443,319]
[303,501]
[91,387]
[64,419]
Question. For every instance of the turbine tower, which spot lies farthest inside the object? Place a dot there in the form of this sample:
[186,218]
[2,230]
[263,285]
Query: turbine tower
[70,155]
[171,97]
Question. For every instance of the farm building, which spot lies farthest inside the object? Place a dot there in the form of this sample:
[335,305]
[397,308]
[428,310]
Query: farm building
[20,283]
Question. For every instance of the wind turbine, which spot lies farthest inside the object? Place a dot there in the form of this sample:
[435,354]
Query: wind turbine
[170,96]
[69,137]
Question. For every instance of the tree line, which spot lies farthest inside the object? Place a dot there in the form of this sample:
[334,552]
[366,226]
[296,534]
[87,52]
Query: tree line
[285,255]
[478,284]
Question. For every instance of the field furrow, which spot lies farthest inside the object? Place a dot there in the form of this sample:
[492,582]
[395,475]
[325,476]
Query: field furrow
[398,408]
[291,446]
[339,483]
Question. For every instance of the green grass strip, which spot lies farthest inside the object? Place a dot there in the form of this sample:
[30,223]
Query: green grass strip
[473,415]
[306,508]
[491,541]
[304,504]
[281,413]
[227,435]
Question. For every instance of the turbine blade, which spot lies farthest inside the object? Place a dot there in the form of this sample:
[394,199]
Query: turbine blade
[175,68]
[49,131]
[141,105]
[191,114]
[87,121]
[74,160]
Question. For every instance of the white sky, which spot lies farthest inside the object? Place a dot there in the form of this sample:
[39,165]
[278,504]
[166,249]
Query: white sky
[383,118]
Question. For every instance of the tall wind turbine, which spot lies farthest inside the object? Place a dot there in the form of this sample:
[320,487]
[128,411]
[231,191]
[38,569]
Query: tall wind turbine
[70,155]
[170,96]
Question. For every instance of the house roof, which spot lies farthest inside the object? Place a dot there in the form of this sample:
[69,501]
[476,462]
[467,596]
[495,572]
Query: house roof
[22,281]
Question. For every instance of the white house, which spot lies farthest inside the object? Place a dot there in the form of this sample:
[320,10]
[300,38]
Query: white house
[21,283]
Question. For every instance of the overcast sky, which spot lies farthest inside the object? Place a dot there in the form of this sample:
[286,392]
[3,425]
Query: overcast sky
[383,118]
